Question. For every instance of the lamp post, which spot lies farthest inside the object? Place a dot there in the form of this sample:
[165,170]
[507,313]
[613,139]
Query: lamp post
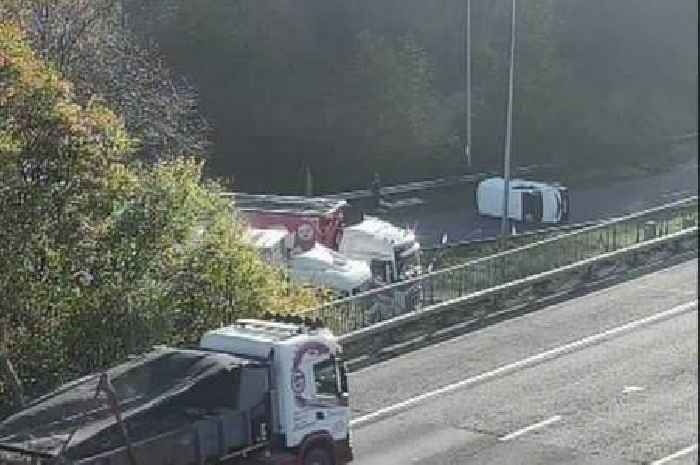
[468,84]
[309,183]
[509,128]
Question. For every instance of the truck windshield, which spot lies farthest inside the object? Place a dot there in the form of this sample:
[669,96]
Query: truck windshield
[326,378]
[408,264]
[382,271]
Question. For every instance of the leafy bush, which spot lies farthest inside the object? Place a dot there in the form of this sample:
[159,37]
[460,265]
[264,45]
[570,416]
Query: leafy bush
[101,256]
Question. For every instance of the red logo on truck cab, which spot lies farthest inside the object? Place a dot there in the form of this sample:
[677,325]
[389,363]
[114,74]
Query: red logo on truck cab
[298,381]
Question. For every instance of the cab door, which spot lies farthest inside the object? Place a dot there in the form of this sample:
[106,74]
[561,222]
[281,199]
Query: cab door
[331,398]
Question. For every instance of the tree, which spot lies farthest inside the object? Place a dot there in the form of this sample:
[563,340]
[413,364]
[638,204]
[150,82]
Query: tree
[92,44]
[542,112]
[286,85]
[599,84]
[102,255]
[394,107]
[633,80]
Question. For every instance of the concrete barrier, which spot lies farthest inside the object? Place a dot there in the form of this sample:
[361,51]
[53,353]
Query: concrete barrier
[457,316]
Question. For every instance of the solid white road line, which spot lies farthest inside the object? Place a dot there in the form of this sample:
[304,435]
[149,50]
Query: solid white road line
[521,364]
[532,427]
[677,455]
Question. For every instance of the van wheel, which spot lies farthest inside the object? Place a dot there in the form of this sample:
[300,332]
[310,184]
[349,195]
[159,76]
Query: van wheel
[317,456]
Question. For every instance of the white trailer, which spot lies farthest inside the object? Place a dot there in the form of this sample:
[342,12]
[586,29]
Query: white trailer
[528,202]
[273,245]
[318,267]
[323,267]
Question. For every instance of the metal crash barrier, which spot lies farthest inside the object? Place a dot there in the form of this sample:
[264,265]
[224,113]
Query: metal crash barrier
[377,305]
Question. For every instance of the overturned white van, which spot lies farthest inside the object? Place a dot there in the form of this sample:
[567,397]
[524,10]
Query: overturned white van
[528,202]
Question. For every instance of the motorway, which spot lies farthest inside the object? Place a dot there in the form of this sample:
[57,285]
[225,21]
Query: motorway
[452,210]
[607,378]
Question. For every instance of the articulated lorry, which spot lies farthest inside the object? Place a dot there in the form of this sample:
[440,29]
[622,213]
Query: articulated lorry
[393,253]
[255,392]
[528,202]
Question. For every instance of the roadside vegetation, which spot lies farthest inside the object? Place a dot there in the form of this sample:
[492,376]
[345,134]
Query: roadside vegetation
[90,43]
[102,255]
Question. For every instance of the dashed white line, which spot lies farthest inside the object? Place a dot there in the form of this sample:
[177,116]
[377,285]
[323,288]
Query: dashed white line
[530,428]
[521,364]
[677,455]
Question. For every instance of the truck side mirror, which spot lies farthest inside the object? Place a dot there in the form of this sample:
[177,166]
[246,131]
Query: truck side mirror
[343,374]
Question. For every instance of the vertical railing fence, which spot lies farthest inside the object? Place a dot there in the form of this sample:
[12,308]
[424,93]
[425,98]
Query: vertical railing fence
[376,305]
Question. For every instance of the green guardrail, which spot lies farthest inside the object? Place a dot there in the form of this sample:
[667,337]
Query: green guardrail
[456,253]
[366,309]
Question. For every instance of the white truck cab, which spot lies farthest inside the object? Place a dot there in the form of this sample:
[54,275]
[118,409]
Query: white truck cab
[310,393]
[255,392]
[393,252]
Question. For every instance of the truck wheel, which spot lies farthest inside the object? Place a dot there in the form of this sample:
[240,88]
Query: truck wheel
[318,456]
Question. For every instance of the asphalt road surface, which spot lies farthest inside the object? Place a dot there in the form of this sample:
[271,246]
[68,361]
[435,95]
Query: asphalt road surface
[452,210]
[607,378]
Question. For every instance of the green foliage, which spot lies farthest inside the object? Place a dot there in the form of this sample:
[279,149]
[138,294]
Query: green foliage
[291,86]
[398,79]
[349,88]
[91,43]
[101,256]
[396,101]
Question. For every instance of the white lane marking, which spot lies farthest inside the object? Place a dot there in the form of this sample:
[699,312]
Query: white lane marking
[519,365]
[532,427]
[417,447]
[677,455]
[629,389]
[668,290]
[675,193]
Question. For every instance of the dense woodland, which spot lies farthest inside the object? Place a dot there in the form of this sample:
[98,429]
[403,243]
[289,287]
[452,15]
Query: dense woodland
[266,89]
[349,88]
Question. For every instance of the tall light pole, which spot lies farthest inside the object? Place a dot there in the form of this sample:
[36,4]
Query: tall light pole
[468,84]
[509,128]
